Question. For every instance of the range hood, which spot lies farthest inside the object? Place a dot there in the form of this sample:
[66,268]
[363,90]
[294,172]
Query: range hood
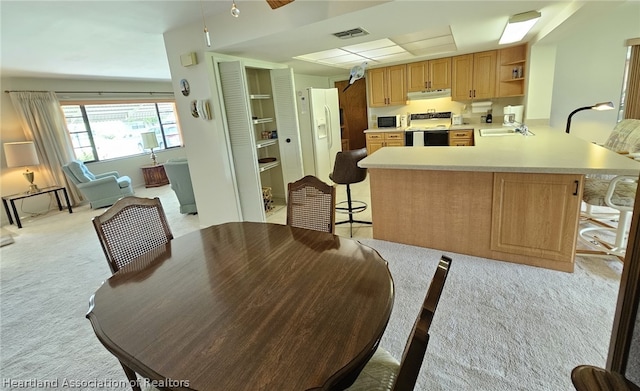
[429,94]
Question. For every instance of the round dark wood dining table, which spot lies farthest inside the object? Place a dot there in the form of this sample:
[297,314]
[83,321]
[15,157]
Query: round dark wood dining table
[247,306]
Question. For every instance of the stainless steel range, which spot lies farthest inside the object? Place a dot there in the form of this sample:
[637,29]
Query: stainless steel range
[428,129]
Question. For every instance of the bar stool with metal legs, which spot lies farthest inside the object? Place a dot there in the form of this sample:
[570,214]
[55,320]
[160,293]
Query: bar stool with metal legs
[347,172]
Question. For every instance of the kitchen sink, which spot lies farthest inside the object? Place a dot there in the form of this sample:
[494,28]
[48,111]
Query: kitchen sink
[492,132]
[498,132]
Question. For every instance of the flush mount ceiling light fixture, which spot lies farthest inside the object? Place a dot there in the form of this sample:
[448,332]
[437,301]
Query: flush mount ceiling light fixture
[406,47]
[235,11]
[518,26]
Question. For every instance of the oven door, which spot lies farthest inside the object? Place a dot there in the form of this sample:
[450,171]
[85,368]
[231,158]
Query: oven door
[408,138]
[436,138]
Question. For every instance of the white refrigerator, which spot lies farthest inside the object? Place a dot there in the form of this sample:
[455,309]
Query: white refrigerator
[320,131]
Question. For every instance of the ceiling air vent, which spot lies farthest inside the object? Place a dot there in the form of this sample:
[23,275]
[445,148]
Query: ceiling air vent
[356,32]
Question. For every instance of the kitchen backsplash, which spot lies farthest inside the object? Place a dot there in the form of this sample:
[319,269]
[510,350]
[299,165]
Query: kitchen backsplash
[443,104]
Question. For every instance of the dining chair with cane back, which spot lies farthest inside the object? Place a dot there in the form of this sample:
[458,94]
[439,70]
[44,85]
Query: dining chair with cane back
[311,204]
[131,227]
[383,371]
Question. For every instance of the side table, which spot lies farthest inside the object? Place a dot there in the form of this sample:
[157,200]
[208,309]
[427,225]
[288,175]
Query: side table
[154,176]
[12,200]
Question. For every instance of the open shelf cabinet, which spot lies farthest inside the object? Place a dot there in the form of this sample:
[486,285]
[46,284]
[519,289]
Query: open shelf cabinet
[512,71]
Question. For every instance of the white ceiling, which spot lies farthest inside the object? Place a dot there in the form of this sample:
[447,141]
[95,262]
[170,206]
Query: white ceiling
[124,39]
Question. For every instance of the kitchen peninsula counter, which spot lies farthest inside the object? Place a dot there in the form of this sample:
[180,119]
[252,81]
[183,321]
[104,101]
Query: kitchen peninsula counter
[511,198]
[548,151]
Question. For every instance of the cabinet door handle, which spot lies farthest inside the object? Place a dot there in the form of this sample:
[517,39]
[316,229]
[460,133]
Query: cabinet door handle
[577,183]
[469,93]
[474,93]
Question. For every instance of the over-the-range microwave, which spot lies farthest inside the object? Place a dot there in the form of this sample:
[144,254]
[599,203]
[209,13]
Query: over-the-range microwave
[390,121]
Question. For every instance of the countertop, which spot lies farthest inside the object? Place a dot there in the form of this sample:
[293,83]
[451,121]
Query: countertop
[402,129]
[548,151]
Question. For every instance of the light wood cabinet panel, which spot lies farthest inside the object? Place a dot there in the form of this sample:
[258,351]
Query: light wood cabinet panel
[417,76]
[462,77]
[373,144]
[429,75]
[387,86]
[536,215]
[378,140]
[484,74]
[474,76]
[397,85]
[388,136]
[461,138]
[469,203]
[376,79]
[394,143]
[440,73]
[460,143]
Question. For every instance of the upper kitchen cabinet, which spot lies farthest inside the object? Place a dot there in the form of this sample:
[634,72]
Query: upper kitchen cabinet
[512,68]
[429,75]
[474,76]
[262,123]
[387,86]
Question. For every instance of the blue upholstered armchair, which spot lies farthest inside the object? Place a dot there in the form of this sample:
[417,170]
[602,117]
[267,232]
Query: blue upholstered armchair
[178,173]
[100,190]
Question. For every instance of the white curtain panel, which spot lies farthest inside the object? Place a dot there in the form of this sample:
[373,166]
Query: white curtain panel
[43,122]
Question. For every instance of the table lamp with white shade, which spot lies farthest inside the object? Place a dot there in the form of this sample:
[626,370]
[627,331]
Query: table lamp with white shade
[23,154]
[149,141]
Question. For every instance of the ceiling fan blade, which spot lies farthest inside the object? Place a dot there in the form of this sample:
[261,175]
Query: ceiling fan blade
[278,3]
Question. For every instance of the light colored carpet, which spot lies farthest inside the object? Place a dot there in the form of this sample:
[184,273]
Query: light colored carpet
[499,326]
[5,237]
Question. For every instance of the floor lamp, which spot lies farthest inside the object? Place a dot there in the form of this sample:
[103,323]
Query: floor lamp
[23,154]
[598,106]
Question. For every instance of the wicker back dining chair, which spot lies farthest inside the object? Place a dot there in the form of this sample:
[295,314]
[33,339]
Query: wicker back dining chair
[131,227]
[383,371]
[311,204]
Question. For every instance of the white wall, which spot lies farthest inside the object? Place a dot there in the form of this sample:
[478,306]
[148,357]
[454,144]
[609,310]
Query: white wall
[11,179]
[208,145]
[589,69]
[542,61]
[207,148]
